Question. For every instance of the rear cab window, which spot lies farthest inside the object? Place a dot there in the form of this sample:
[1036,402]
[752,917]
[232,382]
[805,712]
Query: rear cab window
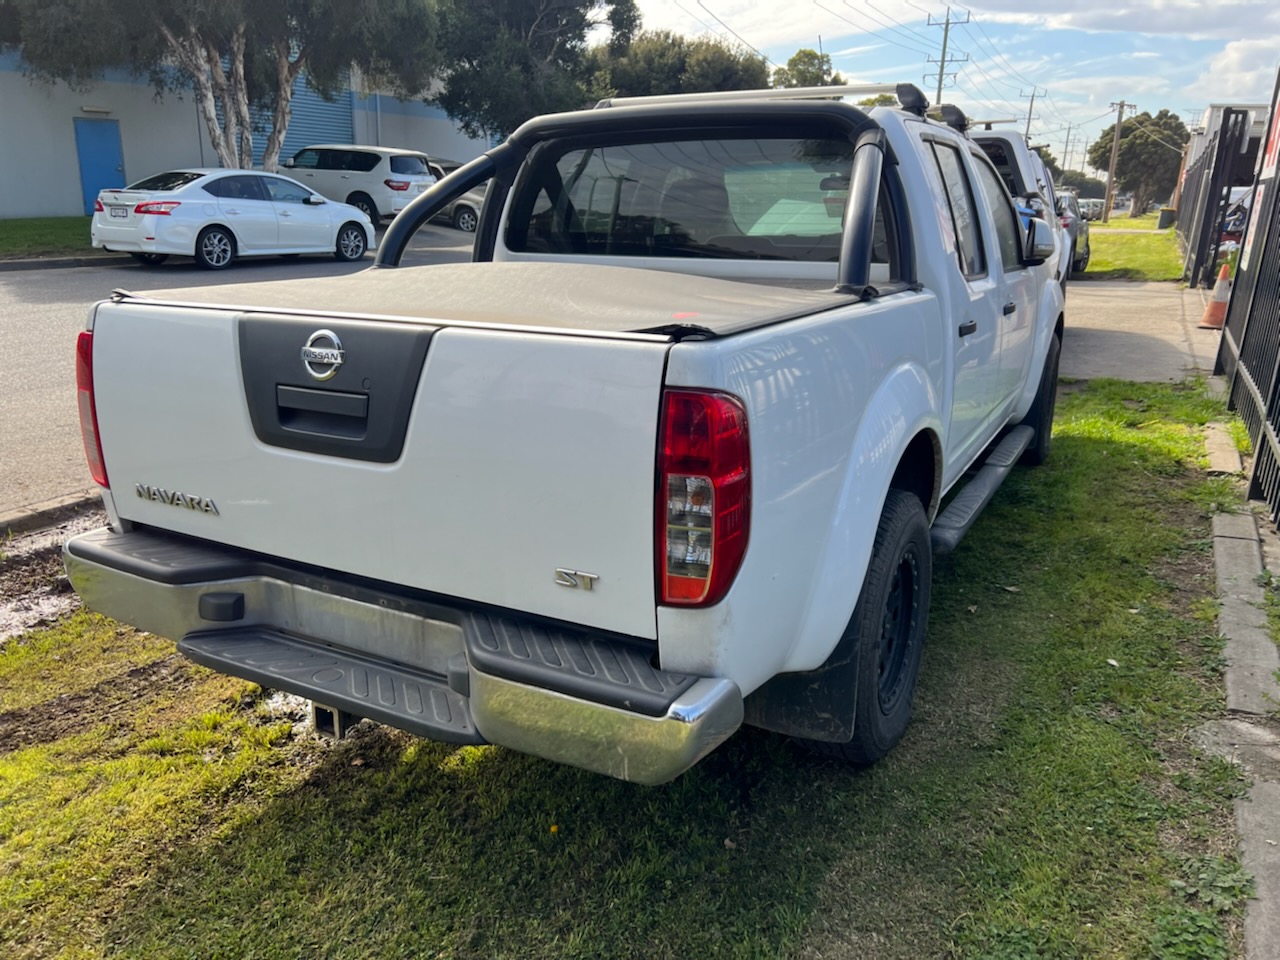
[752,198]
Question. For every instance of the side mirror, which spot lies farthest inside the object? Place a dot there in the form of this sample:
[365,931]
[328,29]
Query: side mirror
[314,200]
[289,162]
[1040,244]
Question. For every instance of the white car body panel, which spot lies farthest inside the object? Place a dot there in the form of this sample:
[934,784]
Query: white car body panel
[451,515]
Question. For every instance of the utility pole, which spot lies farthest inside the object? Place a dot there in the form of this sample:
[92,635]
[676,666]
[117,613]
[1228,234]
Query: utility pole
[1035,92]
[945,24]
[1066,149]
[1111,170]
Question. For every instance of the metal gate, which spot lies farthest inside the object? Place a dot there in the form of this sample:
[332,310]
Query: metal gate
[1249,353]
[1205,195]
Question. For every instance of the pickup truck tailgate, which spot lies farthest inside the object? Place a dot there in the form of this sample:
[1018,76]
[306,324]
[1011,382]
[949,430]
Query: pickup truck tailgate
[467,462]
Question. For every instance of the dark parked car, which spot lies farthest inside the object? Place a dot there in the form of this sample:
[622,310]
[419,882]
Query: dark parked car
[1077,228]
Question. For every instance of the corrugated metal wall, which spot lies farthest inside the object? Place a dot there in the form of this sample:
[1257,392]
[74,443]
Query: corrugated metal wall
[314,120]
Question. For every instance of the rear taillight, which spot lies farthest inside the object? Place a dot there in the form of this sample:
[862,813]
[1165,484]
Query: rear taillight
[703,508]
[88,410]
[397,184]
[1065,221]
[160,208]
[97,206]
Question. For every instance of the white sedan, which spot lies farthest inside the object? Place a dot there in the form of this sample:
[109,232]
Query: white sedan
[218,215]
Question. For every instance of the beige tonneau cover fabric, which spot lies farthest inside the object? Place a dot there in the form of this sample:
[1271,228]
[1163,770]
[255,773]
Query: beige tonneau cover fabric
[565,296]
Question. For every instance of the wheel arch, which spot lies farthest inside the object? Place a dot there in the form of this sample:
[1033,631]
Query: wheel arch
[216,225]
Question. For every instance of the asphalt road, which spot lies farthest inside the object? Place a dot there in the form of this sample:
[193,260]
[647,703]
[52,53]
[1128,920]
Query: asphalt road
[42,311]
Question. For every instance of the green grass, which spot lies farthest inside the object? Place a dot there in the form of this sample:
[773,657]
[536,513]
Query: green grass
[44,236]
[1045,802]
[1133,256]
[1122,221]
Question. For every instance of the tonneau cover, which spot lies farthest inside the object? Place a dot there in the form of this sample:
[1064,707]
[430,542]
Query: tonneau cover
[563,296]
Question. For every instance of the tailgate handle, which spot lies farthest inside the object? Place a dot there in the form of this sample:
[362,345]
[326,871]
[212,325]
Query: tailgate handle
[323,411]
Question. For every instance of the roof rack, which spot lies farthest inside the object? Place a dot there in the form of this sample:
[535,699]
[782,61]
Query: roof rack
[952,116]
[986,124]
[775,93]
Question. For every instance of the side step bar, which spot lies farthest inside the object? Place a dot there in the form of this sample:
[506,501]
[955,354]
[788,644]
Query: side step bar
[954,522]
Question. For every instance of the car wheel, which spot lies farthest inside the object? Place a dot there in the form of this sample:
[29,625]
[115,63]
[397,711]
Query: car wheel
[1079,265]
[215,248]
[352,242]
[465,219]
[150,259]
[888,631]
[1040,416]
[365,205]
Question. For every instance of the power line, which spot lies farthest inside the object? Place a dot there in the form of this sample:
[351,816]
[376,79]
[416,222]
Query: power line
[1148,132]
[861,28]
[758,53]
[914,33]
[944,59]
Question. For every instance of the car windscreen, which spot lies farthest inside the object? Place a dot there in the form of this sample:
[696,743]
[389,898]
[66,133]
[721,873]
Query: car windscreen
[743,198]
[409,166]
[167,181]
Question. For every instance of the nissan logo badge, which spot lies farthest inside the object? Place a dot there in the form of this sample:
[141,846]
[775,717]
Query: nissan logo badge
[322,354]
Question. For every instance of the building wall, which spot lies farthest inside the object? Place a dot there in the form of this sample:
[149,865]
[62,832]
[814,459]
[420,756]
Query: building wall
[412,125]
[39,166]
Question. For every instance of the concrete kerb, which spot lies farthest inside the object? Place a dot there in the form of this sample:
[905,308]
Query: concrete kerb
[51,263]
[1248,737]
[46,514]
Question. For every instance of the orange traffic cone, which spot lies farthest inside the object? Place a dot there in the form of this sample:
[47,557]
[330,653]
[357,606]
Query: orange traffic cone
[1215,312]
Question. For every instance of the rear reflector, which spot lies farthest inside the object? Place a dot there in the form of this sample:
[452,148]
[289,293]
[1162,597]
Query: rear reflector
[88,410]
[160,208]
[703,508]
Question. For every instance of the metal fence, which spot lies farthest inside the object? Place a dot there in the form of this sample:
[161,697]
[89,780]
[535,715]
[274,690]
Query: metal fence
[1206,192]
[1249,353]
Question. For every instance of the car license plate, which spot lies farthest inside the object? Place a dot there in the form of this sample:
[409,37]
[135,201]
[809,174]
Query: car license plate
[119,212]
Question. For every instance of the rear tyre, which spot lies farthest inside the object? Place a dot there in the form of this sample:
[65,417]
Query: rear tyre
[215,248]
[465,219]
[1079,265]
[1040,415]
[150,259]
[888,630]
[365,205]
[351,244]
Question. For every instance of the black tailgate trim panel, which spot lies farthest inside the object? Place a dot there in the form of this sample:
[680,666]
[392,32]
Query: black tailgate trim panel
[360,413]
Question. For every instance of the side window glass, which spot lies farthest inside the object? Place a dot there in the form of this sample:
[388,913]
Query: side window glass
[215,187]
[282,191]
[973,263]
[360,162]
[332,160]
[307,159]
[1002,215]
[250,188]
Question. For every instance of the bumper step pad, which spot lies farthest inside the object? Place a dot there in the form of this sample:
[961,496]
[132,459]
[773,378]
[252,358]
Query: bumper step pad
[377,689]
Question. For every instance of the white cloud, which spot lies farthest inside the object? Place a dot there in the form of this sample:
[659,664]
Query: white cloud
[857,51]
[1244,70]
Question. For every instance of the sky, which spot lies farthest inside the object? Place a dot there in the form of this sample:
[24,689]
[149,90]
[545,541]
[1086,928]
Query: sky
[1079,56]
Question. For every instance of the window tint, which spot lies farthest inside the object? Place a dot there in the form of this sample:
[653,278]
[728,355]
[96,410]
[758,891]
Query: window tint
[963,213]
[307,159]
[997,154]
[166,181]
[240,187]
[767,199]
[283,191]
[1002,214]
[357,161]
[409,166]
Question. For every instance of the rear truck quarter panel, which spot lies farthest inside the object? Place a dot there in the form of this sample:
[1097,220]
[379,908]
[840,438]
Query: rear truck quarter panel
[524,453]
[832,402]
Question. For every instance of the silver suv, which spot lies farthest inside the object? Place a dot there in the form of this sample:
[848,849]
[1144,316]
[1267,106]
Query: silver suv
[378,180]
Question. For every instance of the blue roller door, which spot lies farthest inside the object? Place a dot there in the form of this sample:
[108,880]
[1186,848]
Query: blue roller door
[314,120]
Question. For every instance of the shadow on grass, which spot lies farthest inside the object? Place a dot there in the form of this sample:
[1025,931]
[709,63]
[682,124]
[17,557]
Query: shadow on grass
[394,847]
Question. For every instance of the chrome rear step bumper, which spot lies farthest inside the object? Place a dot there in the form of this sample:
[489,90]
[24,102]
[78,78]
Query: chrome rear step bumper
[444,671]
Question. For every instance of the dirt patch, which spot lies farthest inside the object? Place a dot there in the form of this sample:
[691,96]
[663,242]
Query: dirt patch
[114,701]
[34,590]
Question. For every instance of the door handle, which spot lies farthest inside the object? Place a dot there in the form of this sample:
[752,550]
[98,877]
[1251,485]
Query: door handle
[969,327]
[1009,308]
[234,213]
[285,213]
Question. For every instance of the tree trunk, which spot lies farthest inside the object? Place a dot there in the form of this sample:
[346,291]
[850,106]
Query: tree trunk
[286,73]
[239,95]
[190,54]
